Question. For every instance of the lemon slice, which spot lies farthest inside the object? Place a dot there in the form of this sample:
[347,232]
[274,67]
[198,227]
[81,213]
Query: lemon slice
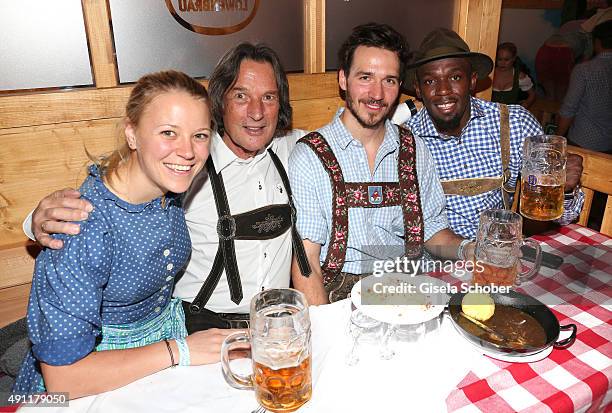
[478,305]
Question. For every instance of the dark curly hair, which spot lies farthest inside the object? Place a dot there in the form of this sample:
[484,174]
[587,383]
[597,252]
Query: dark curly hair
[225,74]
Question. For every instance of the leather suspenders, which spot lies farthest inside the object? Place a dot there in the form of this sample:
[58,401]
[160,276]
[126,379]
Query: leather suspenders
[296,240]
[476,186]
[345,195]
[262,223]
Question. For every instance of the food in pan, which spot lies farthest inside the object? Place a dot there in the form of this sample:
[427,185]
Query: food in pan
[521,330]
[478,305]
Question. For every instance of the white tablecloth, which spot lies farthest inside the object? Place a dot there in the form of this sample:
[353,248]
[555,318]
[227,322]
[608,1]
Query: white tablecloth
[418,378]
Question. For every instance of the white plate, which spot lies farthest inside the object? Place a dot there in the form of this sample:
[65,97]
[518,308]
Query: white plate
[397,313]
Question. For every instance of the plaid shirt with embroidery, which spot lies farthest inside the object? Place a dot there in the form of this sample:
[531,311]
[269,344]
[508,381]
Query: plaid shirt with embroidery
[476,153]
[372,231]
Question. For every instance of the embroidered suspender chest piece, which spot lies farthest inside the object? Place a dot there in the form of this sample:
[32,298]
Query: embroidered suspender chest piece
[345,195]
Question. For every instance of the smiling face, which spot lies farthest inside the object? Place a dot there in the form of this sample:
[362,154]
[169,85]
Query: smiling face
[169,145]
[251,108]
[445,85]
[371,86]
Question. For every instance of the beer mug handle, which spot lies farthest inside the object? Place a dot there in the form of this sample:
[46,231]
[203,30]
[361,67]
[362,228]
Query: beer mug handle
[235,380]
[528,275]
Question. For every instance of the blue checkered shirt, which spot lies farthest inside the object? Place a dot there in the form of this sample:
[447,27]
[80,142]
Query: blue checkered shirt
[369,228]
[476,153]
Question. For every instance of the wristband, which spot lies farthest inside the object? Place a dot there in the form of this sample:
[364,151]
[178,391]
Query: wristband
[570,196]
[184,356]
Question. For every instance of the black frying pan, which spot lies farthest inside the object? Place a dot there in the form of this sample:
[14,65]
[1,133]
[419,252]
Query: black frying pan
[525,303]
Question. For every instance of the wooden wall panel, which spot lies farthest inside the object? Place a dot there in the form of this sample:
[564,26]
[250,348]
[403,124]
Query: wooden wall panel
[37,161]
[17,266]
[312,114]
[90,104]
[14,303]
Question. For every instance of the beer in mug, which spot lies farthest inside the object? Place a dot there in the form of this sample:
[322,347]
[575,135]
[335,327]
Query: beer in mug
[542,201]
[280,350]
[498,248]
[543,177]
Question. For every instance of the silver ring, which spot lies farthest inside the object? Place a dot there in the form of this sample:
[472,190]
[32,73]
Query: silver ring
[42,226]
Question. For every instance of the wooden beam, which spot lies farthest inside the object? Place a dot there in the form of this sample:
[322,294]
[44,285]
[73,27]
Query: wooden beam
[99,38]
[314,36]
[48,108]
[606,224]
[477,22]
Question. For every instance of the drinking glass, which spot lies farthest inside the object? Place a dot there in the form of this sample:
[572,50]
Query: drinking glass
[498,245]
[363,330]
[543,177]
[279,334]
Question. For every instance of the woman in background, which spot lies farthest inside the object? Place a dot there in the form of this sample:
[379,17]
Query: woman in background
[100,313]
[511,82]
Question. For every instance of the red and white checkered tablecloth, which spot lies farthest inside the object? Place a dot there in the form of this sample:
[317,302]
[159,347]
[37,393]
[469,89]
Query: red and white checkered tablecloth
[577,379]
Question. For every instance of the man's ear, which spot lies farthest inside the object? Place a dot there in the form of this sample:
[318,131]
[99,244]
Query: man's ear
[342,79]
[130,136]
[473,82]
[417,89]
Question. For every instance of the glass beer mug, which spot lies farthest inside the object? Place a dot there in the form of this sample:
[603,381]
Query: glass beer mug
[543,177]
[279,334]
[498,245]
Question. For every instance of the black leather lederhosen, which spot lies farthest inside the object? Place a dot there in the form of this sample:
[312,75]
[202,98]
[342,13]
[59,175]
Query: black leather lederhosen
[345,195]
[259,224]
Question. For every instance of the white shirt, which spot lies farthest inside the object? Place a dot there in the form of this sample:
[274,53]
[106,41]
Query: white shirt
[249,183]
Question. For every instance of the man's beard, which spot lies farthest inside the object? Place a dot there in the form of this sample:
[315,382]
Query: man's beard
[445,126]
[370,122]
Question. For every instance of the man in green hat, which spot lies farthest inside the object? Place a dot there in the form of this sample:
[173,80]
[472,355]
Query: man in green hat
[476,144]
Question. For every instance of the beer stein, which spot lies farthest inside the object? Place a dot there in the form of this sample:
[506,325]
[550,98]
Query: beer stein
[543,177]
[279,335]
[498,245]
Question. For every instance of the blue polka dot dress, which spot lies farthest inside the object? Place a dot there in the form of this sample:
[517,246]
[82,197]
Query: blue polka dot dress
[117,272]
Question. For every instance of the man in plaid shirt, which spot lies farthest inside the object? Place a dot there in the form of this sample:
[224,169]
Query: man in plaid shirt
[463,132]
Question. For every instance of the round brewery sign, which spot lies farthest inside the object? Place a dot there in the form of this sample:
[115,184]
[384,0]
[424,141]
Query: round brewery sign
[213,17]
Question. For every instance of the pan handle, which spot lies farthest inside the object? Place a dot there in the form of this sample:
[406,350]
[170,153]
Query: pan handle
[566,342]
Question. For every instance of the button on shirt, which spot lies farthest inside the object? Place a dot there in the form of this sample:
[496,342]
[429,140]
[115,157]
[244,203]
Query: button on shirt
[589,102]
[113,272]
[249,183]
[476,153]
[369,228]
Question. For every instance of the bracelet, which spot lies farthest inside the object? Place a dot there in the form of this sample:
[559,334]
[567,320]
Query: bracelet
[172,364]
[570,196]
[184,356]
[461,250]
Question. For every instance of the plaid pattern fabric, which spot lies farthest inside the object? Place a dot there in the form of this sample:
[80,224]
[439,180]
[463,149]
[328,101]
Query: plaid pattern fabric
[477,154]
[378,227]
[577,379]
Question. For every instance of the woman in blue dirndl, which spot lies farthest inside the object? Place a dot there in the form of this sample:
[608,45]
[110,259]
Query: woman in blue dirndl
[101,313]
